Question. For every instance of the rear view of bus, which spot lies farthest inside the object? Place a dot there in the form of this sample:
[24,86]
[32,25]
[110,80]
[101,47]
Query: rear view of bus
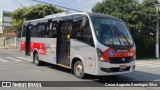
[114,44]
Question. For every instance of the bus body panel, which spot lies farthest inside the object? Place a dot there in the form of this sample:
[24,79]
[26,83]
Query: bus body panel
[45,47]
[22,45]
[86,53]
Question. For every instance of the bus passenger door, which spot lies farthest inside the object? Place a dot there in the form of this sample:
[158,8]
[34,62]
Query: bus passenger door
[64,43]
[28,39]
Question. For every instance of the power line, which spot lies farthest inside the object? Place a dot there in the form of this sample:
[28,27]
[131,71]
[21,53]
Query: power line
[62,3]
[57,2]
[58,6]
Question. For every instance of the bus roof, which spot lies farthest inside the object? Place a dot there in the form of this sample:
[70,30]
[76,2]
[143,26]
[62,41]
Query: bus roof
[103,15]
[73,13]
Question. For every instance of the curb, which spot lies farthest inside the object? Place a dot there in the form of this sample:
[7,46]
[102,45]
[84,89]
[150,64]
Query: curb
[148,60]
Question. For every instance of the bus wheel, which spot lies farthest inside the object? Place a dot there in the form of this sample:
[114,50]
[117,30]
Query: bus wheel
[79,69]
[36,60]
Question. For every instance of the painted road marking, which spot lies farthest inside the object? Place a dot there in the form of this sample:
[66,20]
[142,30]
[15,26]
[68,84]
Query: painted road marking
[143,64]
[148,63]
[155,66]
[157,61]
[24,58]
[3,60]
[13,59]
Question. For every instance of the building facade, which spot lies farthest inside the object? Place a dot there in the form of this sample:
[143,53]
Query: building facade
[5,21]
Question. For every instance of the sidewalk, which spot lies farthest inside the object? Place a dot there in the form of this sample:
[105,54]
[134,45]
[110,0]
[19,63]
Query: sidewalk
[9,48]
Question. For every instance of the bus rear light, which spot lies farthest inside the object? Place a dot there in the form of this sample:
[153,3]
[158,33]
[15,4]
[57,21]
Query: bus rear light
[100,55]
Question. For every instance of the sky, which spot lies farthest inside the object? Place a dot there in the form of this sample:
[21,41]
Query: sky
[83,5]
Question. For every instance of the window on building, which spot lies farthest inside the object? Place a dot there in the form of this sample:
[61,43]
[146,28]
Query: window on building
[5,14]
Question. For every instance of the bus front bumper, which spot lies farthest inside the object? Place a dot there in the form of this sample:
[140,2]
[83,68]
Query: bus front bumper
[105,68]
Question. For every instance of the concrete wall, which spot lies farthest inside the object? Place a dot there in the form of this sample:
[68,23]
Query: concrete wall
[18,43]
[1,29]
[2,42]
[9,41]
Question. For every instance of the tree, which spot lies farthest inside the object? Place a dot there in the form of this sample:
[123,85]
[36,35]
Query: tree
[140,18]
[33,12]
[146,41]
[127,10]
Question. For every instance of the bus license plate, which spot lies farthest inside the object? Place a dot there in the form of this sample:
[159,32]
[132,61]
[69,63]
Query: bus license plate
[122,67]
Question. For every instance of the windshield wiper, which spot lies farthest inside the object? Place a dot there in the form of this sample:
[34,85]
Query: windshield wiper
[125,38]
[121,34]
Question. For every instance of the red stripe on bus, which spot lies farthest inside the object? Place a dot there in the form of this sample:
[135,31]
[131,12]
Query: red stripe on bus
[23,46]
[107,55]
[34,45]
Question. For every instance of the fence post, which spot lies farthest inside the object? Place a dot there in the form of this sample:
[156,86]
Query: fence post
[15,42]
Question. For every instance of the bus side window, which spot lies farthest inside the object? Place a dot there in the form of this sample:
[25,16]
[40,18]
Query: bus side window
[83,31]
[48,29]
[54,30]
[33,31]
[24,30]
[51,29]
[41,29]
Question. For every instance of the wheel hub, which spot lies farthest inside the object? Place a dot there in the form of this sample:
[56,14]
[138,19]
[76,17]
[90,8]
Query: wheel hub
[79,69]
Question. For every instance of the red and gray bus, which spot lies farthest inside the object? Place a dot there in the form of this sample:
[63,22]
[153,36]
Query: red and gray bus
[86,43]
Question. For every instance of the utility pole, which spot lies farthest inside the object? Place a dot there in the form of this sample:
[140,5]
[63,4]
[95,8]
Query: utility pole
[157,32]
[2,22]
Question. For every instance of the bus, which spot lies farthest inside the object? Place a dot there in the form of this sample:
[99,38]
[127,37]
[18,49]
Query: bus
[87,43]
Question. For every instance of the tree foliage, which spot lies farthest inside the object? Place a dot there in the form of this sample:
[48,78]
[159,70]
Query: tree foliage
[140,18]
[33,12]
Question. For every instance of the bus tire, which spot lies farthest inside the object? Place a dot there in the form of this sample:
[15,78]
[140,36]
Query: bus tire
[79,70]
[36,60]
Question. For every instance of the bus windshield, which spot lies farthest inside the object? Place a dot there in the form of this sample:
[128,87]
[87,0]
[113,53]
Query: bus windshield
[112,32]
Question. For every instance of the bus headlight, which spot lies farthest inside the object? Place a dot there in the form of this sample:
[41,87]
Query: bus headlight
[100,55]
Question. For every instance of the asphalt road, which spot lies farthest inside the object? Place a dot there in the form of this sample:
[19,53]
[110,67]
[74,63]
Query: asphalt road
[14,66]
